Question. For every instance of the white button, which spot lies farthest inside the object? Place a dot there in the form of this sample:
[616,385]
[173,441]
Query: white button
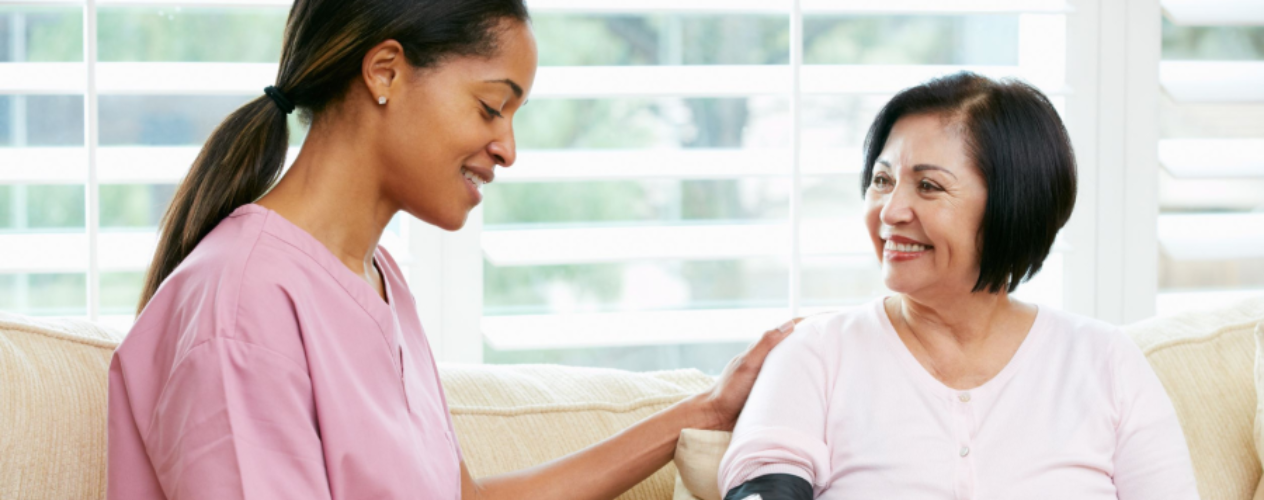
[964,397]
[965,450]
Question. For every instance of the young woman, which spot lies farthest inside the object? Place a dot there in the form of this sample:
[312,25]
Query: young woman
[278,353]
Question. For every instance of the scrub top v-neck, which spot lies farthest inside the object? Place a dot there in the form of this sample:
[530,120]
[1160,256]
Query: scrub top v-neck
[265,368]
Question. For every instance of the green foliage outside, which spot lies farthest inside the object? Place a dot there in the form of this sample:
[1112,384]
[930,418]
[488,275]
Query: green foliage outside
[974,40]
[191,34]
[586,124]
[522,290]
[57,294]
[53,34]
[134,205]
[630,40]
[1219,43]
[8,292]
[120,292]
[254,35]
[6,209]
[55,207]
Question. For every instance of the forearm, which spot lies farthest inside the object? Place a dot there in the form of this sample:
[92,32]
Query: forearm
[606,469]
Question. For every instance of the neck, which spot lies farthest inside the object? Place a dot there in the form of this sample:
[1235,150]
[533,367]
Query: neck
[332,194]
[963,319]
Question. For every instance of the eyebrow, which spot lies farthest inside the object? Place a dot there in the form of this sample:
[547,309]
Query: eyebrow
[517,89]
[922,167]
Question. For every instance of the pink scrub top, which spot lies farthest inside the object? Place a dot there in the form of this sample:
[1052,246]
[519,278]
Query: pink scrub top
[264,368]
[1076,414]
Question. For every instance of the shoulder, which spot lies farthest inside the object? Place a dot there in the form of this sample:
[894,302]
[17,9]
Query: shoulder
[1092,345]
[230,271]
[1078,331]
[1105,352]
[862,319]
[830,331]
[240,260]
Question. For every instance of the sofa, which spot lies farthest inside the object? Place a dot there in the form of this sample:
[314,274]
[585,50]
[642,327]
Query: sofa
[53,401]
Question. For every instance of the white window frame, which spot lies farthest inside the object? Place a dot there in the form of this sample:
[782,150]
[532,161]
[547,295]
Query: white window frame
[1113,121]
[1110,88]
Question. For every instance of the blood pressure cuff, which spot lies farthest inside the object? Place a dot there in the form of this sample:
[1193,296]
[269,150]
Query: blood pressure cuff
[773,487]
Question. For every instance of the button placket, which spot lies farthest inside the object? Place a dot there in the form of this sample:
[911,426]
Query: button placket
[963,414]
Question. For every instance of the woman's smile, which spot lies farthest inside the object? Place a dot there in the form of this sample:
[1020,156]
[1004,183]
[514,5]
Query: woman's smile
[901,249]
[475,179]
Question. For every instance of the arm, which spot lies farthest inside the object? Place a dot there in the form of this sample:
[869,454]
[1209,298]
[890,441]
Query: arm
[782,431]
[237,421]
[607,469]
[1151,458]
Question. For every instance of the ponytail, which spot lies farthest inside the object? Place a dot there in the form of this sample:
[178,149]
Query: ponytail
[325,43]
[237,166]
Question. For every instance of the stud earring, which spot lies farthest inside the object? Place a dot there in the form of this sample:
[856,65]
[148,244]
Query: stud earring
[381,101]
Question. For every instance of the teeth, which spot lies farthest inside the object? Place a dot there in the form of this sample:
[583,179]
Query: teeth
[900,247]
[478,181]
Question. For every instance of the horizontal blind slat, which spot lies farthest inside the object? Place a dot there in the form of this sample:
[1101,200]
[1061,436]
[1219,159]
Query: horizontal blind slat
[580,82]
[1213,81]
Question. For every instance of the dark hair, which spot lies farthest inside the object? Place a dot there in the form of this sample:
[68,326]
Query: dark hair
[1016,139]
[325,43]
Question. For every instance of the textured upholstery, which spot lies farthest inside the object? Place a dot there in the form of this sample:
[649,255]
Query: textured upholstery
[698,455]
[52,408]
[53,390]
[1205,359]
[53,386]
[509,418]
[1259,410]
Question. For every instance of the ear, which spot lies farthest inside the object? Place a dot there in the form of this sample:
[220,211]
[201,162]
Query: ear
[383,68]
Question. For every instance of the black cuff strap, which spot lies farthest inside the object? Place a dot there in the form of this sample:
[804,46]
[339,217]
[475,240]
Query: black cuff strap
[773,487]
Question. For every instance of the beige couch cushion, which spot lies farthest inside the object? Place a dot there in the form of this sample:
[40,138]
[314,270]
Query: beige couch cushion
[52,408]
[1259,396]
[512,417]
[53,386]
[1205,360]
[698,455]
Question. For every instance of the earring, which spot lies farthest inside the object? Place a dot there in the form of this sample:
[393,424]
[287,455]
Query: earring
[381,101]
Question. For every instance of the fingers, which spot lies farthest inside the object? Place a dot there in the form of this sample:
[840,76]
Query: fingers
[769,340]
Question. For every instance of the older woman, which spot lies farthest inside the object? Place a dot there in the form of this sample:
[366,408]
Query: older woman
[950,388]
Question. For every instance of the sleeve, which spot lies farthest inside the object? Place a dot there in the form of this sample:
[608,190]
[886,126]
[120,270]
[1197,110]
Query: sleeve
[1151,458]
[782,428]
[128,473]
[237,421]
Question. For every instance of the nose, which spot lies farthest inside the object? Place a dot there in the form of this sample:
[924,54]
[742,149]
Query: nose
[503,150]
[896,208]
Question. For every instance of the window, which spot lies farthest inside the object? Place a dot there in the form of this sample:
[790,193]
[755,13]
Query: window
[42,213]
[80,205]
[687,173]
[672,153]
[1211,186]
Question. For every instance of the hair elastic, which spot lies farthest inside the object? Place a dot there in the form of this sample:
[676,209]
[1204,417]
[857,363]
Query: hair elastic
[279,98]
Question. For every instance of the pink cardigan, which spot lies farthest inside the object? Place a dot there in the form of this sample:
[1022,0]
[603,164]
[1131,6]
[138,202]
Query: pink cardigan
[1076,414]
[265,369]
